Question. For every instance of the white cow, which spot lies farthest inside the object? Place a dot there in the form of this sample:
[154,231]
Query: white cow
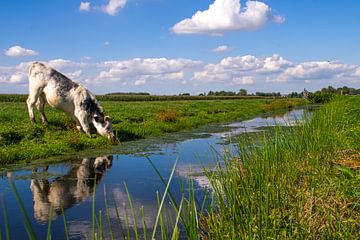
[48,85]
[66,191]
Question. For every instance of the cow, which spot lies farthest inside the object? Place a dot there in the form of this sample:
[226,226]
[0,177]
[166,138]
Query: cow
[48,85]
[65,191]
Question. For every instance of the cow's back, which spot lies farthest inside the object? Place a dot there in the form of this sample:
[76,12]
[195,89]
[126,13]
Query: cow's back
[57,88]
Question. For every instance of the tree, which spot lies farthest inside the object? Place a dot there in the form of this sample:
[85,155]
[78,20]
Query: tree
[243,92]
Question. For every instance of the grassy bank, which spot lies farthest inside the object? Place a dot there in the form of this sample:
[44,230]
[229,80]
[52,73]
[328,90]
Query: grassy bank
[300,183]
[21,140]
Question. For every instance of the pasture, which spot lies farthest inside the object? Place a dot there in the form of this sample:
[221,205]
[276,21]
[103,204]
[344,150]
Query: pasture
[21,140]
[288,183]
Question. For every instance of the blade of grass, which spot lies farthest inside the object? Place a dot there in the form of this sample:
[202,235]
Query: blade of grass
[162,229]
[101,233]
[175,234]
[127,221]
[172,199]
[163,199]
[132,212]
[108,214]
[28,226]
[65,223]
[143,221]
[6,219]
[93,209]
[118,218]
[48,236]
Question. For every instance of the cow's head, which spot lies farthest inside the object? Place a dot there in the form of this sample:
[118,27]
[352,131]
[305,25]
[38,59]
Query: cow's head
[103,126]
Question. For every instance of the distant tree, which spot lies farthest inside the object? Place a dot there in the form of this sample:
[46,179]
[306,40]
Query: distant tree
[184,94]
[293,95]
[242,92]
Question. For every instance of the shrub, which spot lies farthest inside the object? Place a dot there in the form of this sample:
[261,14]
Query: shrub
[167,115]
[321,97]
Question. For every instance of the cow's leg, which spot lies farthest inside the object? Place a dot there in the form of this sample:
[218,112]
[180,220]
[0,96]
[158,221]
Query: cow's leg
[40,104]
[78,125]
[31,101]
[81,116]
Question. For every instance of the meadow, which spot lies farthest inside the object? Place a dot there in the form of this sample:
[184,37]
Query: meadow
[289,183]
[21,140]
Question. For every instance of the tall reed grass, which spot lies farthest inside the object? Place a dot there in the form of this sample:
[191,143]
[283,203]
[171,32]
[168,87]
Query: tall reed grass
[288,185]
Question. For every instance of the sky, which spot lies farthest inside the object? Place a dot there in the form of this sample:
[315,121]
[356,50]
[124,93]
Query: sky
[183,46]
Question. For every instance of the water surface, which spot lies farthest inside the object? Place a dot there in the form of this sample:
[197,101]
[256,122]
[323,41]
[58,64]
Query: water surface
[71,183]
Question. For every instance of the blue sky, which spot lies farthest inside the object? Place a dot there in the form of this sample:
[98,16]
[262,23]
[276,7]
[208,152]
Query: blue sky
[171,46]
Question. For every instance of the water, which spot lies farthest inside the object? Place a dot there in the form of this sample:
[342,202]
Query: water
[71,183]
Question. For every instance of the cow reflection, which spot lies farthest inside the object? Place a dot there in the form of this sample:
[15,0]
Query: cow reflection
[68,190]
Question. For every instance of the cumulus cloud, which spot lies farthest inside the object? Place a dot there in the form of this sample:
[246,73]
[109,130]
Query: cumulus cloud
[247,69]
[140,82]
[140,70]
[246,80]
[65,65]
[18,51]
[227,15]
[85,6]
[270,72]
[316,70]
[19,77]
[221,48]
[111,8]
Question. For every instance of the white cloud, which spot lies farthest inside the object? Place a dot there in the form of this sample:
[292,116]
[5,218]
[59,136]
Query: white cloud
[106,43]
[18,51]
[19,77]
[85,6]
[249,69]
[63,64]
[75,74]
[259,73]
[227,15]
[140,82]
[316,70]
[145,68]
[275,63]
[246,80]
[113,6]
[357,72]
[221,48]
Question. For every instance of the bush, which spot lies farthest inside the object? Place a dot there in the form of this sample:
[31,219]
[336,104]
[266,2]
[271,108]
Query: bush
[320,97]
[167,115]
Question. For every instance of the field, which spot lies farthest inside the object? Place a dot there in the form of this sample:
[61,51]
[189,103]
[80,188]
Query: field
[289,183]
[21,140]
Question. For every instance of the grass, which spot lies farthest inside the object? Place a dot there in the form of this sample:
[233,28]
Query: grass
[137,97]
[296,183]
[293,184]
[22,141]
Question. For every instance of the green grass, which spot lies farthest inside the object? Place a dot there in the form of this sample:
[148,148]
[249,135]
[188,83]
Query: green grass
[294,183]
[21,140]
